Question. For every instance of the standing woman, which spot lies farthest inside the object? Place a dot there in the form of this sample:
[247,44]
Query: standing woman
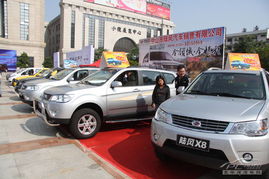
[160,93]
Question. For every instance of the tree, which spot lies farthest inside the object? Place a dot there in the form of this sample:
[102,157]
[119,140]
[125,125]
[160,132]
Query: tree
[23,61]
[98,53]
[48,62]
[133,56]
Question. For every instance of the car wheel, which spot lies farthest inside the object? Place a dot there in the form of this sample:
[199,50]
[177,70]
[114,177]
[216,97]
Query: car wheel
[161,156]
[85,123]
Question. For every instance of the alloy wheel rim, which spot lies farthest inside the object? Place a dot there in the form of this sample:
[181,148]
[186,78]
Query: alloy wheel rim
[87,124]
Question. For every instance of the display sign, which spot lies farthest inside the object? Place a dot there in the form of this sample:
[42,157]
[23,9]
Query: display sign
[243,61]
[198,50]
[138,6]
[56,59]
[70,63]
[80,57]
[157,10]
[8,59]
[114,59]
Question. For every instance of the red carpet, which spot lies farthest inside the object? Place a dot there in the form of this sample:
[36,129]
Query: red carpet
[128,147]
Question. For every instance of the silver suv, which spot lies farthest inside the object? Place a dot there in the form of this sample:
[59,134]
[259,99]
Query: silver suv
[109,95]
[220,119]
[34,89]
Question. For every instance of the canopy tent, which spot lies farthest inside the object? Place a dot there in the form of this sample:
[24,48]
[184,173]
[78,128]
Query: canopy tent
[95,64]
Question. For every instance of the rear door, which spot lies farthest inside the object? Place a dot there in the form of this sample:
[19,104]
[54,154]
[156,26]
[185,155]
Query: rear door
[147,82]
[170,81]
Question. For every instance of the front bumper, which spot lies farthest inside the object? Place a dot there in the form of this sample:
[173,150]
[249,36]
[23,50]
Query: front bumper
[223,147]
[29,95]
[49,114]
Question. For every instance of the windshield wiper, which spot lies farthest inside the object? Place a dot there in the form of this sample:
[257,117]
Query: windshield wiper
[196,92]
[228,95]
[89,83]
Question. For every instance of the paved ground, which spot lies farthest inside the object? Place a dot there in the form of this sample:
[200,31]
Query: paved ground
[31,149]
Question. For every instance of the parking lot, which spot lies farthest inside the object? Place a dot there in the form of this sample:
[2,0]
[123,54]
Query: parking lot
[31,149]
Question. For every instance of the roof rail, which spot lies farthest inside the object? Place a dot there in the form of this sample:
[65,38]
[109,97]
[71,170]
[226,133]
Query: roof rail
[214,68]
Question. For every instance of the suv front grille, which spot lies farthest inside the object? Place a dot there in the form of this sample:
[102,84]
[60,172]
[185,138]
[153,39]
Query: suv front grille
[205,124]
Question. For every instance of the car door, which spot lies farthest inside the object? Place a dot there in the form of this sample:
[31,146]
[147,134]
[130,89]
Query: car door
[124,100]
[170,81]
[148,78]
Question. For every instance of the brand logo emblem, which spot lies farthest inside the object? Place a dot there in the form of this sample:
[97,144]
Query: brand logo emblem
[196,123]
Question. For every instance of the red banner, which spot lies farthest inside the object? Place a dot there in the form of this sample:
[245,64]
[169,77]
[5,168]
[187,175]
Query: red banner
[156,10]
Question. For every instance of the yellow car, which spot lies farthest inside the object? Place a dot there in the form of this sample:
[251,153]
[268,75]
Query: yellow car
[40,73]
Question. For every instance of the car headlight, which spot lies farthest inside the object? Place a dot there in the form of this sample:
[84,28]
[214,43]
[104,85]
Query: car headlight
[254,128]
[61,98]
[32,88]
[163,116]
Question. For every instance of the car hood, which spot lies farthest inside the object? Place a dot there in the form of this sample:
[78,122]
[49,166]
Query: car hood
[214,107]
[70,88]
[29,79]
[38,81]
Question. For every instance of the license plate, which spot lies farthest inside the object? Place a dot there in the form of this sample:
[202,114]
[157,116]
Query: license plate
[191,142]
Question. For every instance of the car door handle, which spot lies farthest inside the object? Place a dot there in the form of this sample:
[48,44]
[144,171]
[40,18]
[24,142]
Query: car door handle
[136,90]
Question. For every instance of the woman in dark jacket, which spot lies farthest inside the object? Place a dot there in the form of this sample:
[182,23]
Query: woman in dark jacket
[160,93]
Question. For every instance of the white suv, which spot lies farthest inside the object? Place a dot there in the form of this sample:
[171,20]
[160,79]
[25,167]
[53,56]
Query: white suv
[220,120]
[34,89]
[109,95]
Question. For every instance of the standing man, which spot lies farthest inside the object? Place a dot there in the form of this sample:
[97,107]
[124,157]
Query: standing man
[181,79]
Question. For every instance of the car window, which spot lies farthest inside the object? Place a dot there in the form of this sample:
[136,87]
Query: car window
[149,77]
[30,72]
[169,78]
[62,74]
[229,84]
[99,77]
[128,78]
[81,74]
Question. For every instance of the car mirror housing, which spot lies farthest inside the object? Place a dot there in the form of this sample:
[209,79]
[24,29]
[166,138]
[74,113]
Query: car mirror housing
[181,89]
[116,84]
[70,79]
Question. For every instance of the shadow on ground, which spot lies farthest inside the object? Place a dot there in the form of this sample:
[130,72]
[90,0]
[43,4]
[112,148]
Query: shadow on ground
[38,127]
[23,108]
[15,98]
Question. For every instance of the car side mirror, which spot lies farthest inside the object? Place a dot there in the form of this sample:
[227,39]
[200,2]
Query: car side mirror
[116,84]
[181,89]
[70,79]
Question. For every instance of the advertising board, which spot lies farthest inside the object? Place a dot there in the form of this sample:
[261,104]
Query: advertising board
[157,10]
[114,59]
[8,59]
[80,57]
[56,59]
[198,50]
[243,61]
[138,6]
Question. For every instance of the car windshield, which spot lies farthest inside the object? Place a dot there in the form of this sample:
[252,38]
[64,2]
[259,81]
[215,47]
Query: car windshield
[100,77]
[156,56]
[43,73]
[229,84]
[62,74]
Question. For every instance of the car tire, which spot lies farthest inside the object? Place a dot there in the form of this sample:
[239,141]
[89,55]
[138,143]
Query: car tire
[85,123]
[161,156]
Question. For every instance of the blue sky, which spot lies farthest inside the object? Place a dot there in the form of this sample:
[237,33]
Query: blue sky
[191,15]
